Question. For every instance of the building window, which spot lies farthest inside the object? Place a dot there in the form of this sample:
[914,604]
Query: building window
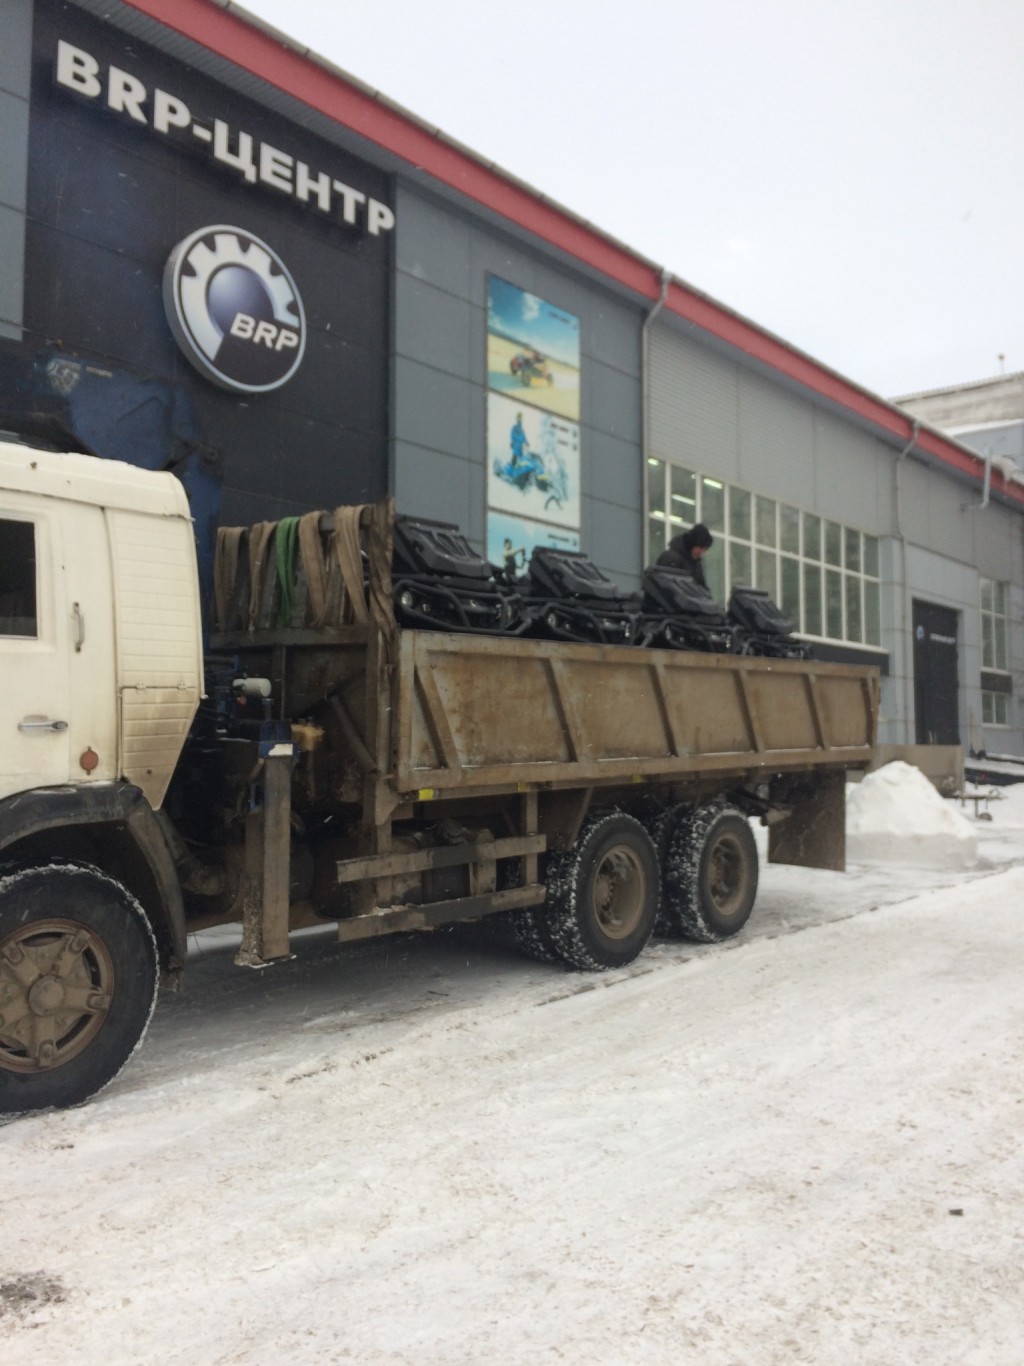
[824,576]
[996,686]
[17,579]
[995,709]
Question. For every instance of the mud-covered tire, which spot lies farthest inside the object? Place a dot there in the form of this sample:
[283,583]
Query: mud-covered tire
[661,826]
[78,982]
[530,928]
[532,935]
[602,895]
[709,874]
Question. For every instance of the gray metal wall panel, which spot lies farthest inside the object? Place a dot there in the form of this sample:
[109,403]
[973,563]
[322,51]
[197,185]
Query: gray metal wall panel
[614,539]
[15,80]
[611,401]
[614,336]
[440,331]
[897,690]
[619,476]
[694,405]
[724,419]
[16,47]
[13,151]
[1008,440]
[434,410]
[935,578]
[433,245]
[852,475]
[442,487]
[12,254]
[936,513]
[776,439]
[436,326]
[999,540]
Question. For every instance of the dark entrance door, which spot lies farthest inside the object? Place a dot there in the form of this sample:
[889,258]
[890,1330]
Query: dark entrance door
[936,675]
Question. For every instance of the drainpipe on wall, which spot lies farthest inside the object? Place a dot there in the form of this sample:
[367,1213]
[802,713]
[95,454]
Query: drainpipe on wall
[987,485]
[645,394]
[904,596]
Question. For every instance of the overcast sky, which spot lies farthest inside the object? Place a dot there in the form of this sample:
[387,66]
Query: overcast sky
[849,177]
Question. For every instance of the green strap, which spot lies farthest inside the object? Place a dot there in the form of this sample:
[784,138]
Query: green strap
[287,543]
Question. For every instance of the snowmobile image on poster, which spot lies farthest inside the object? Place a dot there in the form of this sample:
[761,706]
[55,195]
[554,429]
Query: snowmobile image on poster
[533,463]
[533,349]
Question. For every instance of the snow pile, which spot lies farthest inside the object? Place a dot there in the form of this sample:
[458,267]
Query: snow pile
[896,816]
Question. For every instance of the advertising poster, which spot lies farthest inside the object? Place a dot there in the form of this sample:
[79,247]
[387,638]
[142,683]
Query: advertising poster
[533,350]
[513,538]
[533,463]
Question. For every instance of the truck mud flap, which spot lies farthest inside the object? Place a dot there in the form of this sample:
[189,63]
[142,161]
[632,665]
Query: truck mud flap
[813,835]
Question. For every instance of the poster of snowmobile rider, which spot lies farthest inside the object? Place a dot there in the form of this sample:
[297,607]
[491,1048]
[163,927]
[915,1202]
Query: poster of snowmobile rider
[533,463]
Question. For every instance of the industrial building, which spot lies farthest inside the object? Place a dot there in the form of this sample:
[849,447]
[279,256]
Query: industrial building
[277,282]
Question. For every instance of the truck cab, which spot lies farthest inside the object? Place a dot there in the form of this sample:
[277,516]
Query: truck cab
[101,659]
[99,622]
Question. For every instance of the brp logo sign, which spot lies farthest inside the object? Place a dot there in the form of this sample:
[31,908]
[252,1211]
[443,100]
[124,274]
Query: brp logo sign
[234,309]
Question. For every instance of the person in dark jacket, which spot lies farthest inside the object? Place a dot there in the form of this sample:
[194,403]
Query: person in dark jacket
[686,551]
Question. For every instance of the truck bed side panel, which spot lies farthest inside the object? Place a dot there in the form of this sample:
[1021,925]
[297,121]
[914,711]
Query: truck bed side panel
[479,711]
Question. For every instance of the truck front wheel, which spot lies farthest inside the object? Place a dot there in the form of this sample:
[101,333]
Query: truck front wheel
[603,893]
[709,874]
[78,979]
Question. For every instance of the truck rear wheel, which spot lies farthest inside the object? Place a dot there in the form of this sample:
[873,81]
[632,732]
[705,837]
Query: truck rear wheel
[603,893]
[661,827]
[78,980]
[532,935]
[709,874]
[530,926]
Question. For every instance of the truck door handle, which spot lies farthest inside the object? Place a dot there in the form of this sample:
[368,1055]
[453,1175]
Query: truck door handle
[42,725]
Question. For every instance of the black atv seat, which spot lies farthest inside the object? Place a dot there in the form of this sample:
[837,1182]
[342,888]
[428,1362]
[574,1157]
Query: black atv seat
[425,547]
[569,573]
[754,610]
[677,594]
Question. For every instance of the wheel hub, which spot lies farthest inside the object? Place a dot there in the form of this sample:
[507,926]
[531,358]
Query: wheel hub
[724,882]
[45,995]
[56,986]
[619,893]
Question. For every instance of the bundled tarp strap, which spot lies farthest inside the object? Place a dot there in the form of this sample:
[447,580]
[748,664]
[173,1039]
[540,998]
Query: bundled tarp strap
[269,556]
[230,540]
[286,544]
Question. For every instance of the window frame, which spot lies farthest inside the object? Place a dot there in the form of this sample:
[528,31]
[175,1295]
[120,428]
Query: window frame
[9,519]
[857,609]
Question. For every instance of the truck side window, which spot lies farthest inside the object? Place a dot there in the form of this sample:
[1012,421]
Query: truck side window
[17,579]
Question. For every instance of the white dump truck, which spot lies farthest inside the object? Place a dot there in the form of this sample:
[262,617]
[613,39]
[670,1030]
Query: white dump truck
[334,769]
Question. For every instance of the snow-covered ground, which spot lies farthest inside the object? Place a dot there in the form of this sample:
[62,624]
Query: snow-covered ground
[800,1146]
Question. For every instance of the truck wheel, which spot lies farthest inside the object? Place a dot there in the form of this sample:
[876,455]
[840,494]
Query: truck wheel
[530,925]
[709,874]
[532,935]
[603,893]
[661,827]
[78,979]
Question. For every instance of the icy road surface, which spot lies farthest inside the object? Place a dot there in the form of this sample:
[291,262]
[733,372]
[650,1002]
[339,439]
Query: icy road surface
[801,1146]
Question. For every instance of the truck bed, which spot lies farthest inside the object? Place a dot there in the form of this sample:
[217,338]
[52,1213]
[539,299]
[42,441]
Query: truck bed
[476,711]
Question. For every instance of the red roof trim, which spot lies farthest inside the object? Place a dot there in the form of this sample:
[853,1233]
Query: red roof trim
[229,36]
